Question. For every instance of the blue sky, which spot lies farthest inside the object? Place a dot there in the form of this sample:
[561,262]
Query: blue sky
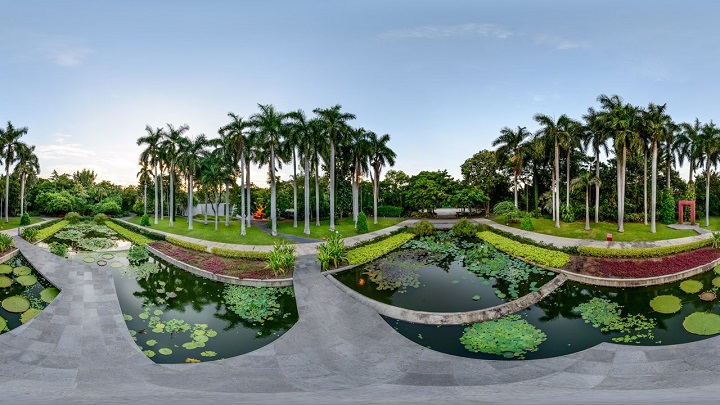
[442,78]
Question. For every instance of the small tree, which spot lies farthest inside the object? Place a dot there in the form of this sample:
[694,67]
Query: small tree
[362,226]
[508,209]
[668,207]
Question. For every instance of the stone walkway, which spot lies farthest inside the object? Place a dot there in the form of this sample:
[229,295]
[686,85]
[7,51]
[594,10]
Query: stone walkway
[78,350]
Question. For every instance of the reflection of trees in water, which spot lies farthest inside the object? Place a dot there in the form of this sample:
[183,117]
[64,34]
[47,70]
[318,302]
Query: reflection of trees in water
[190,290]
[396,271]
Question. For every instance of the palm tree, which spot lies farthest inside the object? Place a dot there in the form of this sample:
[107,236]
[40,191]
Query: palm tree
[655,121]
[293,133]
[171,144]
[380,155]
[571,135]
[335,128]
[189,158]
[552,132]
[28,165]
[318,145]
[597,137]
[144,175]
[236,133]
[360,154]
[10,141]
[213,175]
[510,144]
[710,145]
[688,146]
[303,137]
[585,181]
[269,125]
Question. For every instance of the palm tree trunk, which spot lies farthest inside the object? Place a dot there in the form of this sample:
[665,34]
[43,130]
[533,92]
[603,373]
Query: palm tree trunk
[653,188]
[190,202]
[516,186]
[354,183]
[621,197]
[247,185]
[556,190]
[205,206]
[332,186]
[567,178]
[217,209]
[597,185]
[317,197]
[376,191]
[162,196]
[645,184]
[227,204]
[294,190]
[273,215]
[306,231]
[144,197]
[587,208]
[7,192]
[707,191]
[156,196]
[22,195]
[171,205]
[669,167]
[242,194]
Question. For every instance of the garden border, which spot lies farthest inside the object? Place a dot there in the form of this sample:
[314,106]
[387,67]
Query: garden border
[250,282]
[454,318]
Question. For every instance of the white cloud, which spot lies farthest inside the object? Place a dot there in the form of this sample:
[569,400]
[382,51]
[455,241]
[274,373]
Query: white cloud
[559,43]
[448,31]
[71,150]
[61,50]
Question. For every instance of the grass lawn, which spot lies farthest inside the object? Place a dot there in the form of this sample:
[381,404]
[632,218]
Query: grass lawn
[15,222]
[345,227]
[230,234]
[714,223]
[634,232]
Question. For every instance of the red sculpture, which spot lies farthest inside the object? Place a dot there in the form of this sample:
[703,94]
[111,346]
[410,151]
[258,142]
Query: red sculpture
[681,206]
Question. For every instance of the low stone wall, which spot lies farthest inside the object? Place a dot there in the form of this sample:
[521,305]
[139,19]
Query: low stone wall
[455,318]
[636,282]
[251,282]
[10,255]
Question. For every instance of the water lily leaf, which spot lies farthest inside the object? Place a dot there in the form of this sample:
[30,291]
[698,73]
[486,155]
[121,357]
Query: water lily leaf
[210,333]
[702,323]
[455,282]
[5,269]
[107,256]
[116,265]
[151,342]
[161,283]
[165,351]
[5,281]
[149,353]
[26,280]
[49,294]
[160,291]
[89,259]
[200,338]
[476,297]
[171,295]
[29,314]
[691,286]
[16,304]
[190,345]
[3,323]
[191,360]
[127,317]
[666,304]
[144,315]
[158,312]
[208,353]
[22,271]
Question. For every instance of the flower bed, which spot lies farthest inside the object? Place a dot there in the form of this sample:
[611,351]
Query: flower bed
[234,267]
[641,268]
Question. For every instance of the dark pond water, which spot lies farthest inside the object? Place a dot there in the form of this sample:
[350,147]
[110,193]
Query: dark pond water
[177,317]
[567,332]
[20,272]
[87,236]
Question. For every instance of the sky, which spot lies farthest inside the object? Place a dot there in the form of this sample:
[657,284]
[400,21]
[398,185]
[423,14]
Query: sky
[440,77]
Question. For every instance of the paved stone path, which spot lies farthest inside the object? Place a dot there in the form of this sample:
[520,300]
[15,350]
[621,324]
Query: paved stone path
[78,350]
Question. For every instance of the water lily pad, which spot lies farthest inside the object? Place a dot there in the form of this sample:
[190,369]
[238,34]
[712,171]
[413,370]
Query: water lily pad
[132,332]
[702,323]
[5,269]
[151,342]
[49,294]
[171,295]
[5,281]
[29,314]
[199,332]
[210,333]
[89,259]
[127,317]
[708,296]
[165,351]
[158,312]
[16,304]
[161,283]
[208,353]
[716,282]
[717,269]
[476,297]
[149,353]
[116,265]
[191,360]
[3,323]
[101,262]
[26,280]
[666,304]
[143,315]
[200,338]
[455,282]
[189,345]
[691,286]
[22,271]
[108,256]
[160,291]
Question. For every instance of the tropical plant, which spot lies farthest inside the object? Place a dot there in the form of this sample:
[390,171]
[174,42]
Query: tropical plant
[362,226]
[281,258]
[59,249]
[30,234]
[510,145]
[510,336]
[380,155]
[190,155]
[668,208]
[11,144]
[151,156]
[507,209]
[424,228]
[27,166]
[100,218]
[464,228]
[552,132]
[597,137]
[585,181]
[239,142]
[656,123]
[6,242]
[332,250]
[268,124]
[137,254]
[709,143]
[526,224]
[171,145]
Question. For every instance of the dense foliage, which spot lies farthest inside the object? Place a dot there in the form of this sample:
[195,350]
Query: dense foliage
[424,228]
[372,251]
[543,257]
[464,228]
[255,304]
[332,251]
[281,258]
[642,252]
[510,336]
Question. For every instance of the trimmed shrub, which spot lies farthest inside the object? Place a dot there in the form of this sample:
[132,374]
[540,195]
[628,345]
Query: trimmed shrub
[24,219]
[145,220]
[362,226]
[138,229]
[543,257]
[50,230]
[239,254]
[73,217]
[133,237]
[30,234]
[464,228]
[100,219]
[635,217]
[389,211]
[642,252]
[187,245]
[372,251]
[567,213]
[526,224]
[571,250]
[424,228]
[668,207]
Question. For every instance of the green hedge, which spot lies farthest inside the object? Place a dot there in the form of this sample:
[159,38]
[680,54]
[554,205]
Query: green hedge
[45,224]
[369,252]
[133,237]
[571,250]
[643,252]
[239,254]
[541,256]
[138,229]
[188,245]
[48,231]
[389,211]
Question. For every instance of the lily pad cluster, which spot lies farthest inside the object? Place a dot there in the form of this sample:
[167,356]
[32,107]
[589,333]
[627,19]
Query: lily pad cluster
[394,272]
[141,271]
[510,337]
[607,316]
[255,304]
